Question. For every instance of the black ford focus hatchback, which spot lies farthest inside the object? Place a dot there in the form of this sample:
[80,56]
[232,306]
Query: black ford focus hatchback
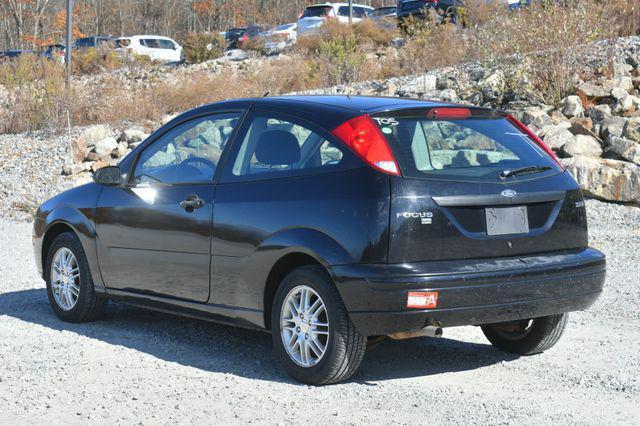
[330,221]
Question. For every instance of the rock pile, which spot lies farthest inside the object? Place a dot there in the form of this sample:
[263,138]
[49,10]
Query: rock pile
[97,147]
[595,132]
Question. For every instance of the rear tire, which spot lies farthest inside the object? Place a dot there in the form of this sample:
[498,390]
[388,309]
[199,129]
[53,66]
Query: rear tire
[527,337]
[82,304]
[344,347]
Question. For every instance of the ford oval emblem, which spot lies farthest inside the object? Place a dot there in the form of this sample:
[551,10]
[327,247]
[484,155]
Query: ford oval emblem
[509,193]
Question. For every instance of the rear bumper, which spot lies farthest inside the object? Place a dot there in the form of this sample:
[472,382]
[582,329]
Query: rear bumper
[470,292]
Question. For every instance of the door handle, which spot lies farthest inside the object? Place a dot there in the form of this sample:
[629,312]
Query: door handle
[191,203]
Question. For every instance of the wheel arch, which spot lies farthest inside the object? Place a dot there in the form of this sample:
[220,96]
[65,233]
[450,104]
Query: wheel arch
[67,219]
[292,249]
[50,235]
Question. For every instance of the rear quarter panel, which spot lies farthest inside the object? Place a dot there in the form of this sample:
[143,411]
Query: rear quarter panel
[337,218]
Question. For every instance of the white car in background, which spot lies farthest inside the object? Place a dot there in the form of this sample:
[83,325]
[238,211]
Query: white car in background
[315,16]
[158,48]
[280,37]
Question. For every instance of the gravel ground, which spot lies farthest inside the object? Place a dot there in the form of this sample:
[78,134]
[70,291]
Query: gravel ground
[142,366]
[30,167]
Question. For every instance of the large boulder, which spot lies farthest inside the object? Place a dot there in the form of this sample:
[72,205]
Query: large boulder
[82,145]
[625,148]
[620,69]
[536,118]
[632,129]
[93,134]
[493,87]
[557,137]
[105,146]
[606,179]
[572,107]
[613,127]
[583,145]
[599,113]
[133,135]
[419,85]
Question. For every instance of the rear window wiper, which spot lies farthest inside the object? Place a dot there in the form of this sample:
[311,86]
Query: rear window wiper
[524,171]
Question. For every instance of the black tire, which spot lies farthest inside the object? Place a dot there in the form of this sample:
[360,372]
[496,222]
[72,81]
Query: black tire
[88,307]
[345,348]
[515,337]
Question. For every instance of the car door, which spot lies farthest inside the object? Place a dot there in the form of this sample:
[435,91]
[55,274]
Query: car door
[154,233]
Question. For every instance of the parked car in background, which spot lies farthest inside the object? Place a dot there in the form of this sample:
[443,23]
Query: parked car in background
[384,17]
[415,9]
[384,12]
[517,4]
[94,41]
[315,16]
[253,32]
[158,48]
[232,36]
[13,54]
[280,37]
[55,52]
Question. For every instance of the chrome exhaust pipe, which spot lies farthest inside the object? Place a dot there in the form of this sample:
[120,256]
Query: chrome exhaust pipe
[429,331]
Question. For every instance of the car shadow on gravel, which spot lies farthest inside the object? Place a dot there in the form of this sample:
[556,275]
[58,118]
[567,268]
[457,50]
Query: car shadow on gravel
[245,353]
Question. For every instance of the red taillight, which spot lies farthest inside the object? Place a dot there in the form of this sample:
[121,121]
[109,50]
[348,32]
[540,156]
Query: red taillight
[535,138]
[363,136]
[449,113]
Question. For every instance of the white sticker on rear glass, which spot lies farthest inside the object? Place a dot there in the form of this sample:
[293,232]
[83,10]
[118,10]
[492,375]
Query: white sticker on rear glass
[387,121]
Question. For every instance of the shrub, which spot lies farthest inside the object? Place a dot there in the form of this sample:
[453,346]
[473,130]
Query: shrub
[202,47]
[95,60]
[36,94]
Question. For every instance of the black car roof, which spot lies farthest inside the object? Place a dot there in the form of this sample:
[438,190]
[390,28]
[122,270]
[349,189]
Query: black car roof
[364,104]
[327,111]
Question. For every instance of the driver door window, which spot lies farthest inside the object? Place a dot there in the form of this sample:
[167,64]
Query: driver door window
[189,153]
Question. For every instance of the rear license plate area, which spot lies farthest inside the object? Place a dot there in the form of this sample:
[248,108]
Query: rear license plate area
[507,220]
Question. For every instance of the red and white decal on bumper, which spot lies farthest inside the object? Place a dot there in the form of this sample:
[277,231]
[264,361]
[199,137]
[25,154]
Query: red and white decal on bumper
[422,299]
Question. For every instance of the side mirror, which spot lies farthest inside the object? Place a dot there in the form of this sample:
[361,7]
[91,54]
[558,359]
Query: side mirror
[108,176]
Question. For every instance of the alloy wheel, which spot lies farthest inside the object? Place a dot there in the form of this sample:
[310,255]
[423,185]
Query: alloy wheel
[65,279]
[304,326]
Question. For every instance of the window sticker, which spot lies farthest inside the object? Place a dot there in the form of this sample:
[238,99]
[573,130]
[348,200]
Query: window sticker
[387,121]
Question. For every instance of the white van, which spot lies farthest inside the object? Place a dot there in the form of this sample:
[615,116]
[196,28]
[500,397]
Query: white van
[315,16]
[158,48]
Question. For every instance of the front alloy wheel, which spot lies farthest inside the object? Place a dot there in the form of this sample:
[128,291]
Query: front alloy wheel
[70,288]
[65,279]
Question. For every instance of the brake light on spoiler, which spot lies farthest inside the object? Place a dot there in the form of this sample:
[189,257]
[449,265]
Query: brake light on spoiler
[365,139]
[449,113]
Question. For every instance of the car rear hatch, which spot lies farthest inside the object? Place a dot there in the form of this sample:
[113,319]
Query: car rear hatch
[313,18]
[476,184]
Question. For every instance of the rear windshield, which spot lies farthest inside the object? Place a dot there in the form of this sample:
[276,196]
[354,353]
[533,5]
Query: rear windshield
[463,150]
[317,11]
[358,12]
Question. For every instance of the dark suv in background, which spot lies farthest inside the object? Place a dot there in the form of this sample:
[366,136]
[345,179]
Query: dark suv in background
[328,221]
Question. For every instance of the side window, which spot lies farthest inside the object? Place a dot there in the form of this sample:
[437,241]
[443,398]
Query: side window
[189,153]
[274,146]
[167,44]
[151,43]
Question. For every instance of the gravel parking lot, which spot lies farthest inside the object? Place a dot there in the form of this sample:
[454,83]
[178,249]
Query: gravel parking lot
[141,366]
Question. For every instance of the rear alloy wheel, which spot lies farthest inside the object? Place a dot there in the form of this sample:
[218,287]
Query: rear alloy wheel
[69,285]
[304,326]
[527,337]
[312,334]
